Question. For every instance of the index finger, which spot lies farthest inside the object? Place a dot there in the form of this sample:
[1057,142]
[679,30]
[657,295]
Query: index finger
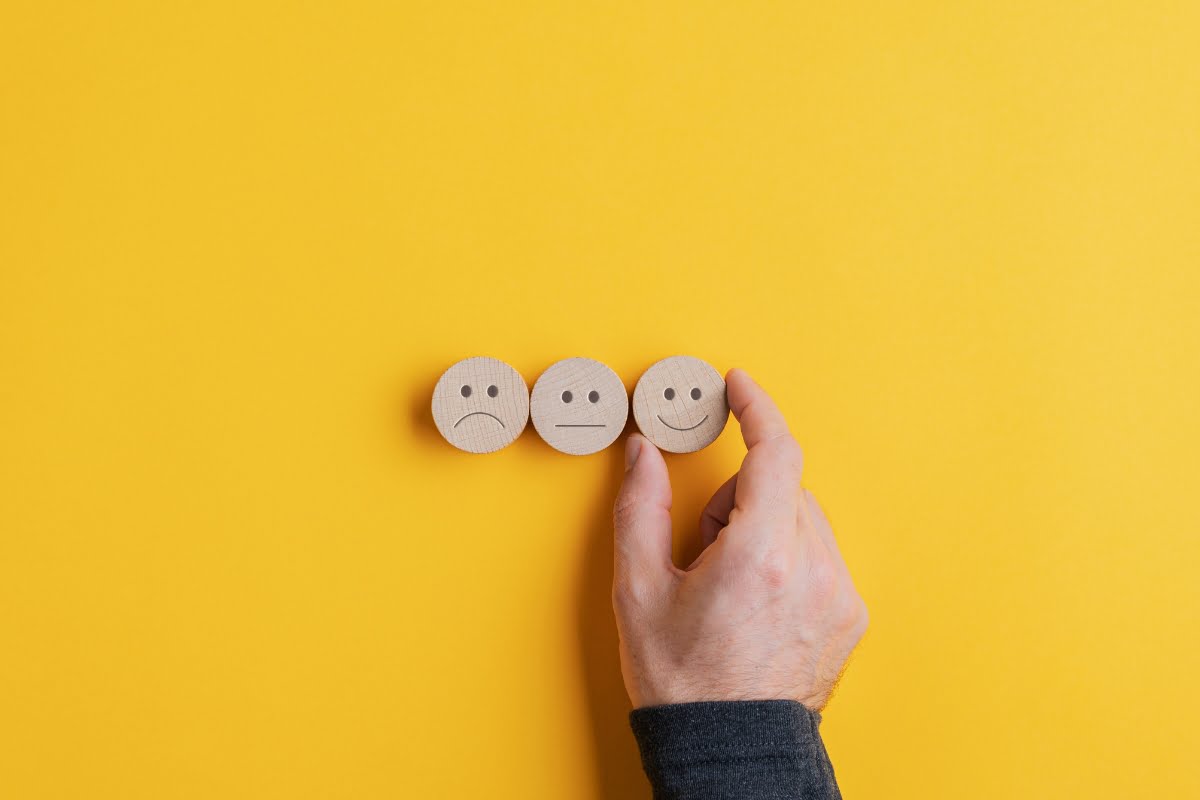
[769,480]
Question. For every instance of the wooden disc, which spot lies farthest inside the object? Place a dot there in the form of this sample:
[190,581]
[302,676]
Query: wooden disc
[680,404]
[579,406]
[481,405]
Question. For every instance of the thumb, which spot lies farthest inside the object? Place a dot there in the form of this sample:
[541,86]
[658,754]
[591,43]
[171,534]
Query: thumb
[642,520]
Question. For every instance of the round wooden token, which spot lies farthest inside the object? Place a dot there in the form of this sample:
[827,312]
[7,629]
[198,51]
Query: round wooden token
[680,404]
[579,406]
[481,405]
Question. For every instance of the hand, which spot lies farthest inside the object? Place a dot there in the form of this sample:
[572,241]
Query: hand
[767,610]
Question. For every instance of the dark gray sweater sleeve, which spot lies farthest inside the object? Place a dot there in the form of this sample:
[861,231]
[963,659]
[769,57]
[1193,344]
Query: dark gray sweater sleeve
[750,750]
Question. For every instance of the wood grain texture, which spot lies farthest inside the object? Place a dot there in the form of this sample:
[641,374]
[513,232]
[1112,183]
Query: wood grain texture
[481,405]
[579,406]
[679,404]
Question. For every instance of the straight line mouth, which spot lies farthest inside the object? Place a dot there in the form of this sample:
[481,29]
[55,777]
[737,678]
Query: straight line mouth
[581,426]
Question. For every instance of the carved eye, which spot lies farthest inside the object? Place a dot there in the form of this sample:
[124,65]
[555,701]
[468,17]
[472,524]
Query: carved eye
[594,396]
[493,391]
[465,391]
[695,393]
[669,393]
[567,397]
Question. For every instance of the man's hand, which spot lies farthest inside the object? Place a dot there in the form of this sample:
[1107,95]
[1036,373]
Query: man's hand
[767,611]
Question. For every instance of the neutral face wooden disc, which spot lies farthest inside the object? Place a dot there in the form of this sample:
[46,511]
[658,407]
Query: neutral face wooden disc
[481,405]
[680,404]
[579,406]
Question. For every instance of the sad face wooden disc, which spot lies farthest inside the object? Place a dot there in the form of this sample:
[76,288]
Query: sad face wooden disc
[480,405]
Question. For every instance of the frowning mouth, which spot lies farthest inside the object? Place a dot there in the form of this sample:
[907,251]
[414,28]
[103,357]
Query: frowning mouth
[672,427]
[484,413]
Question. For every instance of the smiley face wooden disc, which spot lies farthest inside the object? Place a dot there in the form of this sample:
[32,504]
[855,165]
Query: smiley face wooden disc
[680,404]
[579,406]
[481,405]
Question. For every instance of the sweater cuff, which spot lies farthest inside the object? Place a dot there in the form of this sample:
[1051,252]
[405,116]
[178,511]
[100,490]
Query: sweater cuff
[690,744]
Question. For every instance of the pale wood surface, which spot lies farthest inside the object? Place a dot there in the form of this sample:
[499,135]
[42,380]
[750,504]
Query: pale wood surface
[492,414]
[579,406]
[668,411]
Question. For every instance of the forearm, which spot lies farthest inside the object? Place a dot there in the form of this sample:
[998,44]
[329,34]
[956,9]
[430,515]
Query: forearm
[746,750]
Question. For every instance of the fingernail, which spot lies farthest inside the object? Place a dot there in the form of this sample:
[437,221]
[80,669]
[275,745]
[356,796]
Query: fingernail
[633,448]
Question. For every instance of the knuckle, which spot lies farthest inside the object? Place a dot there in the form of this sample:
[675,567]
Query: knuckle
[621,516]
[774,565]
[624,600]
[791,449]
[625,509]
[787,449]
[822,575]
[631,595]
[863,619]
[620,597]
[852,618]
[634,501]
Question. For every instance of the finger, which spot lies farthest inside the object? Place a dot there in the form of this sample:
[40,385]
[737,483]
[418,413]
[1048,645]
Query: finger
[642,519]
[716,514]
[769,480]
[756,412]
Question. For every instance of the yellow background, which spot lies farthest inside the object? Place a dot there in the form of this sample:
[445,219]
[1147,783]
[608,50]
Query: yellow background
[240,241]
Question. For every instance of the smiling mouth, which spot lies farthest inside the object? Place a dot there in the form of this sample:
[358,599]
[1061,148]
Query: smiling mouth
[484,413]
[581,426]
[672,427]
